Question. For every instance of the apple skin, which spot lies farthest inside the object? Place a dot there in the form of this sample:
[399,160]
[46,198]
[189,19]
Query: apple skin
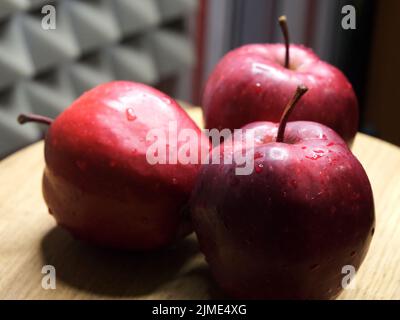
[286,230]
[251,84]
[97,182]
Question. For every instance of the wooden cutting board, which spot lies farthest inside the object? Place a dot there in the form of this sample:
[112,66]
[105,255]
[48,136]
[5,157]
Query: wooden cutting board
[29,239]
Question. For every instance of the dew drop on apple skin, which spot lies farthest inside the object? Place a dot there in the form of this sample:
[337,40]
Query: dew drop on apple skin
[259,168]
[166,100]
[130,114]
[258,88]
[315,156]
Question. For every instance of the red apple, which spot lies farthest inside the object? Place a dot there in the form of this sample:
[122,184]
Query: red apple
[98,183]
[286,230]
[252,83]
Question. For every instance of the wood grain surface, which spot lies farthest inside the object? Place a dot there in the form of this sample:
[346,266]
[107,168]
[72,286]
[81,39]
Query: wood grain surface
[30,239]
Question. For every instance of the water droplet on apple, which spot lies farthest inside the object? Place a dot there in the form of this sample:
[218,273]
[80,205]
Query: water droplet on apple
[293,183]
[174,181]
[130,114]
[259,167]
[166,100]
[258,88]
[315,156]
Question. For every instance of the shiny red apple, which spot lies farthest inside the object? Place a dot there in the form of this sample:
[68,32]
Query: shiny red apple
[252,83]
[98,182]
[286,230]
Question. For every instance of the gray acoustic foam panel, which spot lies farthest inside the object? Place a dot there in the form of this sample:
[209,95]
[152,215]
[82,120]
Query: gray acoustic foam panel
[95,41]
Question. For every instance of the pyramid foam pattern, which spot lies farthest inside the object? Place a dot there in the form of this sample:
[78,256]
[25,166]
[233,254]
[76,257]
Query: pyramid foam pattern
[95,41]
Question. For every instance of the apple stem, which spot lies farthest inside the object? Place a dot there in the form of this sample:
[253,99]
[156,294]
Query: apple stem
[285,31]
[24,118]
[300,91]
